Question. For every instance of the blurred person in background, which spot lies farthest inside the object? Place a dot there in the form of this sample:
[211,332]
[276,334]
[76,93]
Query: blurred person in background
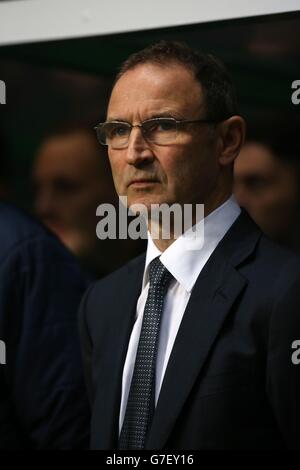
[43,402]
[5,169]
[267,182]
[72,177]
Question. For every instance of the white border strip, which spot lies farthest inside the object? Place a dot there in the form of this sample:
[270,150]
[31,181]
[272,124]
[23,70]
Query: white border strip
[42,20]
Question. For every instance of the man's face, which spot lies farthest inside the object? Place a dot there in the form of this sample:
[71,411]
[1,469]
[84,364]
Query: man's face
[184,171]
[70,184]
[267,189]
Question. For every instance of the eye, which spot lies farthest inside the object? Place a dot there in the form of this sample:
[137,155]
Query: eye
[160,125]
[166,125]
[66,186]
[259,185]
[117,130]
[254,183]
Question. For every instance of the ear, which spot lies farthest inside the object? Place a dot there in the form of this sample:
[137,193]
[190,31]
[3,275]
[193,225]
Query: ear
[231,138]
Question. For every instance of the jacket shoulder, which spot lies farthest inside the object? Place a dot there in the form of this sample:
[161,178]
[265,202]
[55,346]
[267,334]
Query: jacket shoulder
[276,255]
[106,290]
[24,237]
[17,226]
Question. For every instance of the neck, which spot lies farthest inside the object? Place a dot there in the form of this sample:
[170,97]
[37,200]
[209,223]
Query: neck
[157,230]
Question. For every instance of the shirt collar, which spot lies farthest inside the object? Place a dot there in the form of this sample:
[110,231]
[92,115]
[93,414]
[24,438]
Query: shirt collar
[185,264]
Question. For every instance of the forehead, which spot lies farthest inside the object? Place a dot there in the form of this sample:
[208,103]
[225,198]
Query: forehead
[255,158]
[74,154]
[150,88]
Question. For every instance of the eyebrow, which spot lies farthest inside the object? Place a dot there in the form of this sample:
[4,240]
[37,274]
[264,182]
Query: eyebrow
[170,114]
[250,178]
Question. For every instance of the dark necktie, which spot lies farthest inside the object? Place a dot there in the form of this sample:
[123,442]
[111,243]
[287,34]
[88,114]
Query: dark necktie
[141,398]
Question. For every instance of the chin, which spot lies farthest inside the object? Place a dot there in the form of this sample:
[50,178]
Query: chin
[146,200]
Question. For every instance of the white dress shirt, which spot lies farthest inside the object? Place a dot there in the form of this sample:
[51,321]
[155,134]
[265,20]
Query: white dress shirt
[185,265]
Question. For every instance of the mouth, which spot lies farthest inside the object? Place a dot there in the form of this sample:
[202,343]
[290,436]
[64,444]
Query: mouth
[142,182]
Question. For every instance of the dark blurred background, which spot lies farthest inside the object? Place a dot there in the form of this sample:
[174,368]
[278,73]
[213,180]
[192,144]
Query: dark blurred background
[52,85]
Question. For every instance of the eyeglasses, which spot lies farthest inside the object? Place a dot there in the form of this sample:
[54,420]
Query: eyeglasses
[160,131]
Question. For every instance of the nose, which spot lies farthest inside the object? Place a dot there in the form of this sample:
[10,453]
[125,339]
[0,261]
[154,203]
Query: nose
[139,150]
[45,204]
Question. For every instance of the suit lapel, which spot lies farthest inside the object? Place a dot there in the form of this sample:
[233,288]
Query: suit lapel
[216,289]
[113,353]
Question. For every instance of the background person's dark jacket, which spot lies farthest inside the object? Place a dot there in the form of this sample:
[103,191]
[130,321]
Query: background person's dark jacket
[42,395]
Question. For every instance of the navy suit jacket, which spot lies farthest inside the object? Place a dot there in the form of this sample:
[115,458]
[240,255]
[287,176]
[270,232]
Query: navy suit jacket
[43,402]
[230,382]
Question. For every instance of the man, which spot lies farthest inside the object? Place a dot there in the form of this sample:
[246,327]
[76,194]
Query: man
[72,178]
[185,348]
[267,182]
[43,402]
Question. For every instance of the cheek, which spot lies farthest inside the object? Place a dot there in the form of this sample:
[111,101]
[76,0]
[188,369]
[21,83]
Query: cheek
[255,203]
[114,158]
[290,194]
[271,210]
[76,209]
[113,165]
[174,161]
[117,168]
[274,198]
[197,172]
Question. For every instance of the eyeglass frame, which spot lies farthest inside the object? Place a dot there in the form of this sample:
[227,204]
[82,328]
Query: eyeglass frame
[177,122]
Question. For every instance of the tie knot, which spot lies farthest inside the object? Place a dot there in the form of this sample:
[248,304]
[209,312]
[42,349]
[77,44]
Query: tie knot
[159,276]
